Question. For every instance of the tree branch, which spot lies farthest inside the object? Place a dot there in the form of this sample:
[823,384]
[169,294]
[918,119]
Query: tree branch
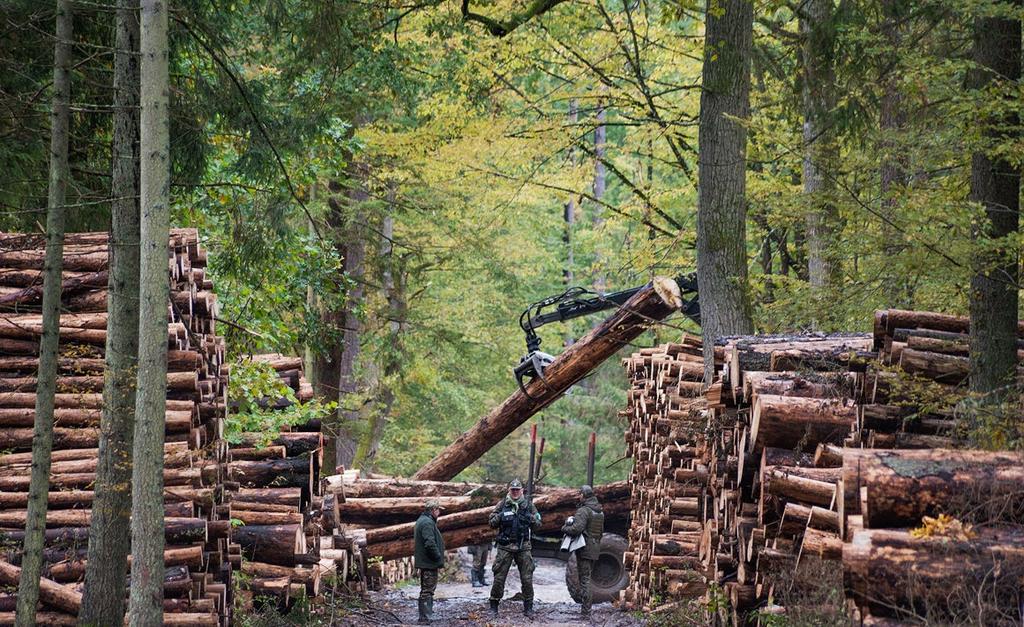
[499,28]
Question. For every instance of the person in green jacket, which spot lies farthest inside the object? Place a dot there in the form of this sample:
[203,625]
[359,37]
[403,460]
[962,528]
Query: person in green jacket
[516,518]
[588,520]
[428,552]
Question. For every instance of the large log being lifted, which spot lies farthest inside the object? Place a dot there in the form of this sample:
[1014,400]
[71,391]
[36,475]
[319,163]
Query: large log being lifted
[654,302]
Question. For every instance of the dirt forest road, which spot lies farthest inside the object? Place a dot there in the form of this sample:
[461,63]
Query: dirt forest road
[460,604]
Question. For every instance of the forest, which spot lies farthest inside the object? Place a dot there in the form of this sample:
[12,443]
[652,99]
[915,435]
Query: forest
[378,189]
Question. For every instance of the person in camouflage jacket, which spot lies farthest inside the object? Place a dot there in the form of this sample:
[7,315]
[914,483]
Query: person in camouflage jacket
[516,518]
[588,520]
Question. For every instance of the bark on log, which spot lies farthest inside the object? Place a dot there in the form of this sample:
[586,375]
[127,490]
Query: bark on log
[949,369]
[50,619]
[290,472]
[793,483]
[273,544]
[817,385]
[250,517]
[51,593]
[823,544]
[887,570]
[309,577]
[275,496]
[368,509]
[296,443]
[904,485]
[791,423]
[652,303]
[72,570]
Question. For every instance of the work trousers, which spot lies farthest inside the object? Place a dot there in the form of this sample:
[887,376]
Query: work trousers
[502,562]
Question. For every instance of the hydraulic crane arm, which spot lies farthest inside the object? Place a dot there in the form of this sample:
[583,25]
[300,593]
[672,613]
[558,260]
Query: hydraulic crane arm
[574,303]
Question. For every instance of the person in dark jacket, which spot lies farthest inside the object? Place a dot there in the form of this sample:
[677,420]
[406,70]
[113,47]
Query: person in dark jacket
[428,552]
[516,518]
[588,520]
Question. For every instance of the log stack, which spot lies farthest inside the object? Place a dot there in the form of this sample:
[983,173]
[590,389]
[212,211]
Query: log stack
[252,500]
[818,458]
[198,577]
[271,493]
[665,438]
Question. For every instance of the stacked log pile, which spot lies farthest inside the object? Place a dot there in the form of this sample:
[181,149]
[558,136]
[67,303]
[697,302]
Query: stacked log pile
[816,460]
[271,494]
[198,577]
[255,500]
[665,439]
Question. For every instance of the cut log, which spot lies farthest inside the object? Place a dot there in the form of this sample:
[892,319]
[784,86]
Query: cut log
[793,483]
[309,577]
[904,485]
[649,305]
[275,496]
[406,507]
[799,423]
[51,593]
[949,369]
[888,570]
[816,385]
[266,518]
[291,472]
[823,544]
[273,544]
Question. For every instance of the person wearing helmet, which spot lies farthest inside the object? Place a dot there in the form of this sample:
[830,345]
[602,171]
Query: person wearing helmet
[516,518]
[428,556]
[589,521]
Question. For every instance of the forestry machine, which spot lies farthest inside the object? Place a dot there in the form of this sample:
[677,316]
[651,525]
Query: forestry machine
[573,303]
[609,574]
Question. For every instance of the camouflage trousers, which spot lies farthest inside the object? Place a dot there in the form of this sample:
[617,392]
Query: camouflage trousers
[479,553]
[584,568]
[428,583]
[502,562]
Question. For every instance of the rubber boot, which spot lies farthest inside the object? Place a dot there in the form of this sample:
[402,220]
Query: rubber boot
[424,616]
[430,609]
[474,574]
[483,576]
[528,609]
[494,608]
[585,612]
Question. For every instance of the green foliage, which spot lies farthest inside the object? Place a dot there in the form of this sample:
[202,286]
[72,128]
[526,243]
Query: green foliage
[265,404]
[461,147]
[992,421]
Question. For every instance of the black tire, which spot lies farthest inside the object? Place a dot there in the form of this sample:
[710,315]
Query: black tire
[610,575]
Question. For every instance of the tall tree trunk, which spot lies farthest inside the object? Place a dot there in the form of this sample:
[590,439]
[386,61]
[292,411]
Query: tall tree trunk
[354,251]
[820,146]
[309,356]
[995,183]
[42,436]
[721,202]
[600,184]
[893,170]
[393,280]
[569,273]
[146,597]
[327,361]
[109,532]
